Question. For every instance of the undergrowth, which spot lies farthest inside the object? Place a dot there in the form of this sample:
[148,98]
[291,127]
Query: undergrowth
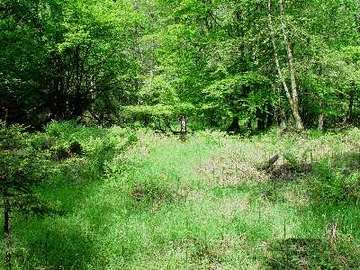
[136,200]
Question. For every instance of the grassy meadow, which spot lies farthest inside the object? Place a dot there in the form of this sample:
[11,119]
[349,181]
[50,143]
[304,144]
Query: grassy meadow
[140,200]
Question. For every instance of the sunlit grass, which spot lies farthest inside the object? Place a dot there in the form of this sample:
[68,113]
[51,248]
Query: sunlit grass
[152,206]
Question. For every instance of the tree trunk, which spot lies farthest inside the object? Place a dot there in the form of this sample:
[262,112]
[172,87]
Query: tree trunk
[234,128]
[295,96]
[276,57]
[7,232]
[321,122]
[183,127]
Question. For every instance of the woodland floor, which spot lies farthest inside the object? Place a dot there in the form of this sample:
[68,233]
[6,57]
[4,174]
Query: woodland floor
[201,204]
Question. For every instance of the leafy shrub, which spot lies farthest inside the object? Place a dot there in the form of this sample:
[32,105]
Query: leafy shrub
[21,165]
[62,130]
[88,149]
[22,168]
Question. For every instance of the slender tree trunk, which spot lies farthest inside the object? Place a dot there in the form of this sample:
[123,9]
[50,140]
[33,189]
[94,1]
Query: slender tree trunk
[7,232]
[321,122]
[294,90]
[293,95]
[183,127]
[276,57]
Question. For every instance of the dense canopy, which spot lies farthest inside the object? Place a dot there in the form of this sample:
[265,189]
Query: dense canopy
[250,63]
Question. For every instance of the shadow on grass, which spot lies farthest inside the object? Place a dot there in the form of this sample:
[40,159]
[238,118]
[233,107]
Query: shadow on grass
[331,218]
[56,244]
[68,241]
[308,253]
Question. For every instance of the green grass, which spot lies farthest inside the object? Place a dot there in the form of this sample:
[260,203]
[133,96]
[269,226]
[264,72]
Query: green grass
[160,203]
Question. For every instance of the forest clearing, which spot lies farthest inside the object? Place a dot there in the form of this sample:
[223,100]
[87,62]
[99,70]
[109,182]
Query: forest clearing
[147,201]
[179,134]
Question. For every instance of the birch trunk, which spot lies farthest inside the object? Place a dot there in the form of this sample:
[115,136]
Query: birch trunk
[183,127]
[294,90]
[293,95]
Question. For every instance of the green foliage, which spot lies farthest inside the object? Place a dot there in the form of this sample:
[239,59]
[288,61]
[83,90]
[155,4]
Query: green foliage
[22,167]
[120,62]
[95,148]
[69,58]
[337,185]
[242,96]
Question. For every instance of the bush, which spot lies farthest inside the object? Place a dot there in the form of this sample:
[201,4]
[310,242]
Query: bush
[22,168]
